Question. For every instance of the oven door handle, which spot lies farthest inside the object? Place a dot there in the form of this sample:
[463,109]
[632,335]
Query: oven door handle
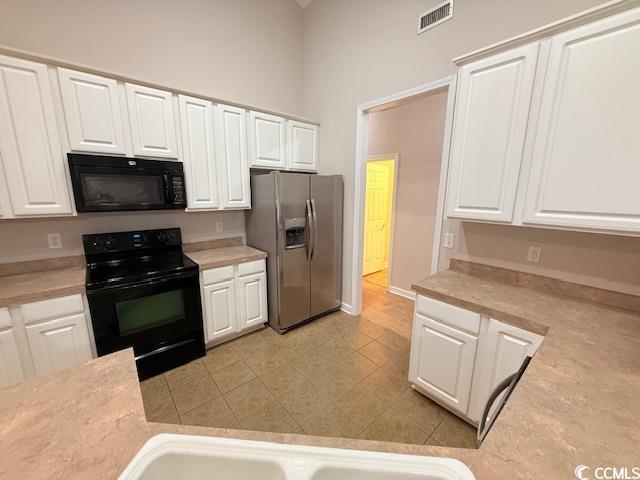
[152,281]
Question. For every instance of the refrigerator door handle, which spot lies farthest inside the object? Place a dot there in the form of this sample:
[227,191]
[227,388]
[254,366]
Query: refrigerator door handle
[314,215]
[311,234]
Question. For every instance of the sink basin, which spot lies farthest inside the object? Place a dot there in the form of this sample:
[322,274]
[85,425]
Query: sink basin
[187,457]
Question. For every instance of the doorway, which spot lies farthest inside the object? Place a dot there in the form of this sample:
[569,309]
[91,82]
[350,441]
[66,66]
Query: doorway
[398,223]
[378,224]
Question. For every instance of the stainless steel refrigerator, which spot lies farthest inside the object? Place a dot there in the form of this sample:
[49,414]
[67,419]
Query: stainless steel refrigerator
[297,219]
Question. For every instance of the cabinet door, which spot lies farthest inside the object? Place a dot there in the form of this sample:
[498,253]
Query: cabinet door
[34,164]
[442,359]
[584,167]
[234,166]
[267,147]
[59,343]
[152,119]
[92,110]
[220,309]
[491,115]
[252,300]
[10,364]
[302,143]
[197,120]
[503,349]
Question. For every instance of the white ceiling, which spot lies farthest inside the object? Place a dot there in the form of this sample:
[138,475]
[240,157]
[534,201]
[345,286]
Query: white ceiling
[304,3]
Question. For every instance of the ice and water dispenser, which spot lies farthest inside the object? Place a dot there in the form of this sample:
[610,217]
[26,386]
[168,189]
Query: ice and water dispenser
[294,233]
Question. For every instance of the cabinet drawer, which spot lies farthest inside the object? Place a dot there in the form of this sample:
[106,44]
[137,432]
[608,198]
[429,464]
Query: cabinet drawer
[5,319]
[52,308]
[216,275]
[443,312]
[248,268]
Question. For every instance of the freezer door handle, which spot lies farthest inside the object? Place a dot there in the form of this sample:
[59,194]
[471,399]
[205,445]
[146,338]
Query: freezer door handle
[310,228]
[314,216]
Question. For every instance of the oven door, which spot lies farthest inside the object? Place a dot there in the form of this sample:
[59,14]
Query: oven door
[151,316]
[99,189]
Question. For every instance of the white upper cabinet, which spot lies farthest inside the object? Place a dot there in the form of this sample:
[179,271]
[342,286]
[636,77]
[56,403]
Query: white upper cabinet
[233,160]
[197,122]
[302,146]
[152,119]
[93,112]
[267,146]
[585,166]
[494,97]
[34,164]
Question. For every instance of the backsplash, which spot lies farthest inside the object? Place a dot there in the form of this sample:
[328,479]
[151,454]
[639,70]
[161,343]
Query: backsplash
[26,240]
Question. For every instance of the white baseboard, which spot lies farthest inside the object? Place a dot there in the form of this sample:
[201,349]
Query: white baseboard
[402,292]
[346,308]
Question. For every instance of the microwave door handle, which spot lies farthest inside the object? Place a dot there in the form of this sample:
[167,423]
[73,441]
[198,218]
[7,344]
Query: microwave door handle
[167,191]
[483,428]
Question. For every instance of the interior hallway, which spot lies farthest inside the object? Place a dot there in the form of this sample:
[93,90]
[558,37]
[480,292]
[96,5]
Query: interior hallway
[383,308]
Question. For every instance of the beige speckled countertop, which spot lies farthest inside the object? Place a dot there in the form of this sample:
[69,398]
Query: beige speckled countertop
[576,404]
[58,282]
[219,257]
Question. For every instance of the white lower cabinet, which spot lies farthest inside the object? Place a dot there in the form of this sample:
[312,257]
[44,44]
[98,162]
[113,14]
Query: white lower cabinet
[59,343]
[220,310]
[10,365]
[458,361]
[502,350]
[234,299]
[442,360]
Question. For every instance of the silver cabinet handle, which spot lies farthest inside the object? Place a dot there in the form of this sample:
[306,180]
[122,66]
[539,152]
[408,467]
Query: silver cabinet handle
[315,226]
[310,234]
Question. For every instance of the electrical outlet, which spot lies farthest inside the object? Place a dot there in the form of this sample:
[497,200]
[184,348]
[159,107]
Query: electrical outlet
[533,254]
[219,227]
[449,240]
[55,240]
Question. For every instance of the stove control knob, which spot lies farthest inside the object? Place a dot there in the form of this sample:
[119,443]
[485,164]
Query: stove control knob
[161,236]
[171,236]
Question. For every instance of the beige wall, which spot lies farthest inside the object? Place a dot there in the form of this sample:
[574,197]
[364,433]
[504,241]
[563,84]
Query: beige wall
[249,51]
[359,50]
[27,239]
[414,131]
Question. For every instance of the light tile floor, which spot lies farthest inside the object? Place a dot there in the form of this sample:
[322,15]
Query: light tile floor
[339,376]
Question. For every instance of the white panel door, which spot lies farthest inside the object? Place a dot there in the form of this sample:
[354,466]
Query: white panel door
[220,311]
[302,145]
[34,164]
[267,146]
[197,122]
[442,360]
[152,118]
[252,300]
[233,160]
[60,343]
[585,168]
[503,350]
[92,110]
[10,364]
[491,115]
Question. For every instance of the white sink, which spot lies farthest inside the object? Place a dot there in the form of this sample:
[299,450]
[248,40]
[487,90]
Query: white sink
[187,457]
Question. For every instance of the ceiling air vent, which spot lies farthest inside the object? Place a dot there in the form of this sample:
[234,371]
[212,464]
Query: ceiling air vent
[435,16]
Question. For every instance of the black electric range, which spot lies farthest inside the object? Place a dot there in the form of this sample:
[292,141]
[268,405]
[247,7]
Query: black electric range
[144,293]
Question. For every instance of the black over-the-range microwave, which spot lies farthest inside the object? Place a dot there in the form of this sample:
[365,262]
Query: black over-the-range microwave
[107,184]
